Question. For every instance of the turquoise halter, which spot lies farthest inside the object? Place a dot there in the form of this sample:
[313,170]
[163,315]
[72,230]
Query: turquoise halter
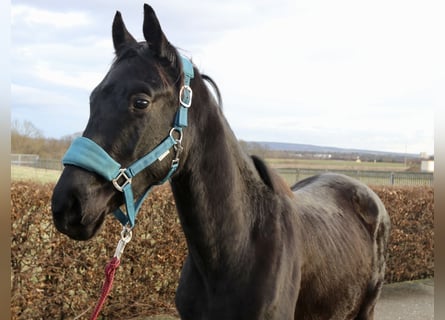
[88,155]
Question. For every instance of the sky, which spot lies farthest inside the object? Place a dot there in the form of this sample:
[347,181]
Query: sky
[351,74]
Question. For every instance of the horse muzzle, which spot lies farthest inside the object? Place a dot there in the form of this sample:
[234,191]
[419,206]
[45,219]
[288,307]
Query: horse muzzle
[79,203]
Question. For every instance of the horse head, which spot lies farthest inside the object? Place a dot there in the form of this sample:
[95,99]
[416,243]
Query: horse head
[132,111]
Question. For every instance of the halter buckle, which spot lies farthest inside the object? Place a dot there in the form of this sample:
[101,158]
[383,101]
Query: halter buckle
[127,180]
[185,96]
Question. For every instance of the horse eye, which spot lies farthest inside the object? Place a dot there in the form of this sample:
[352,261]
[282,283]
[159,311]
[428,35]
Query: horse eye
[141,103]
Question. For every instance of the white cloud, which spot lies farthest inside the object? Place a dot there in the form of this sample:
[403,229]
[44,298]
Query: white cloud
[35,17]
[44,100]
[85,80]
[341,73]
[366,72]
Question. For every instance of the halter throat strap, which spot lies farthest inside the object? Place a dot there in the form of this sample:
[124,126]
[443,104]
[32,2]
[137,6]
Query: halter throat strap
[87,154]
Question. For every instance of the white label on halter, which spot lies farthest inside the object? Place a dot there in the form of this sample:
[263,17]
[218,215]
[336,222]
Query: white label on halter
[162,156]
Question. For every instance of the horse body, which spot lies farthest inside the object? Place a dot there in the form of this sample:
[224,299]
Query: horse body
[257,249]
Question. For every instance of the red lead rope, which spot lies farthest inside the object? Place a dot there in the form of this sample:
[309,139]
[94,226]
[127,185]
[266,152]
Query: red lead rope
[110,270]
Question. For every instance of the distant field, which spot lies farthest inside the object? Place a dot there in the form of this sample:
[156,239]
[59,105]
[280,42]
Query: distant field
[335,164]
[34,174]
[47,175]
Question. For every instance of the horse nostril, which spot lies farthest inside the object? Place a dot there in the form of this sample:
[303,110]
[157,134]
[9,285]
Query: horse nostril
[65,207]
[63,213]
[67,217]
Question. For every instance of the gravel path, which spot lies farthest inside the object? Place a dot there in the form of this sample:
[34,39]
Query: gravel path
[411,300]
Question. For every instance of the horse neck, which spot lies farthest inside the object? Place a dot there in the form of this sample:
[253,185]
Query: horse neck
[212,193]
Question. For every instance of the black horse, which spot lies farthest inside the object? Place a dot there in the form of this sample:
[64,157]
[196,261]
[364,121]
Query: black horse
[257,249]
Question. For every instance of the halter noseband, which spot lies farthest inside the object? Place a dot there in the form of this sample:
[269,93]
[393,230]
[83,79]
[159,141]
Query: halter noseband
[88,155]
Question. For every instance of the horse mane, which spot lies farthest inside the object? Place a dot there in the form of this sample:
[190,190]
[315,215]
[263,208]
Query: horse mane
[215,89]
[271,178]
[143,50]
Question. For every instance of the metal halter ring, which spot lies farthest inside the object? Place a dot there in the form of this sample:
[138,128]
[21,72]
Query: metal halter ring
[185,96]
[126,235]
[179,131]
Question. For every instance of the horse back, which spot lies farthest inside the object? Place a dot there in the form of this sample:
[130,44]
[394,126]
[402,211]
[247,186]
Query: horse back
[341,193]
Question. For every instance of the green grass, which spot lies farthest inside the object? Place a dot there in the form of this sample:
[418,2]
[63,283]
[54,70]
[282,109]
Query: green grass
[19,173]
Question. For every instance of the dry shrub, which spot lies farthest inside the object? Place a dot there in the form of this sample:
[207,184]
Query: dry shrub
[411,243]
[54,277]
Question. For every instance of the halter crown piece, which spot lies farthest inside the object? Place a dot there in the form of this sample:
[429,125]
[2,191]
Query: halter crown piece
[86,154]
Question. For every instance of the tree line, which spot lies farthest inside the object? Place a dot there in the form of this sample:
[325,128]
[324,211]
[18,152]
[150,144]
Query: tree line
[26,138]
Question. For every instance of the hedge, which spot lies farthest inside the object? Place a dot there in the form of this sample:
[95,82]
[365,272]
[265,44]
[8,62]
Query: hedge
[54,277]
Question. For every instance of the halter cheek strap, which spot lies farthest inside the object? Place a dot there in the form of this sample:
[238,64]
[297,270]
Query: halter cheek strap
[87,154]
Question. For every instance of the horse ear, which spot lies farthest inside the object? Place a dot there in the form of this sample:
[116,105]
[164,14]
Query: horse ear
[155,37]
[121,36]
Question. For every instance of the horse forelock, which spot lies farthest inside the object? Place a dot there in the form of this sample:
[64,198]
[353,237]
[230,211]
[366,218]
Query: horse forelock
[143,51]
[129,51]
